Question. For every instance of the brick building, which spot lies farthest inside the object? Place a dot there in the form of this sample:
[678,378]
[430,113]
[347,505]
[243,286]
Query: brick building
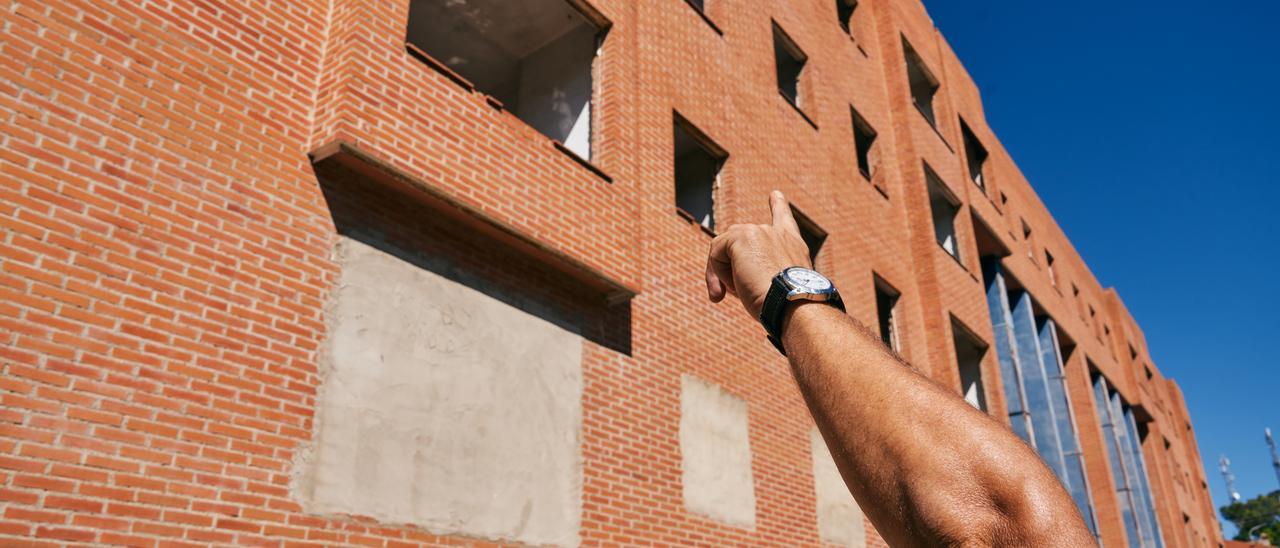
[278,272]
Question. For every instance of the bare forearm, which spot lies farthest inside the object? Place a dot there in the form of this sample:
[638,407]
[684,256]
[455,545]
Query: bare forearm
[926,466]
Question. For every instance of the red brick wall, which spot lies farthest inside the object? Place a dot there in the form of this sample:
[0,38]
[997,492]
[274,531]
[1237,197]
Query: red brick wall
[165,254]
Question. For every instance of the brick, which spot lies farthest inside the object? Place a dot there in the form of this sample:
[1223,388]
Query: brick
[62,533]
[34,516]
[73,503]
[25,497]
[132,511]
[98,461]
[99,523]
[44,483]
[127,540]
[78,473]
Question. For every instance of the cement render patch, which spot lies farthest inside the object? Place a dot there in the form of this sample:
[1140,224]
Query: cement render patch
[444,408]
[715,454]
[839,517]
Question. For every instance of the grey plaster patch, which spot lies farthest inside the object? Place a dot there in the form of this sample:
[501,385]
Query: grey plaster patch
[839,517]
[445,408]
[715,454]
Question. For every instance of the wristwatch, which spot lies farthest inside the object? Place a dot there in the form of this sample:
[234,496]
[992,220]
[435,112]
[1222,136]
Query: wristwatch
[790,285]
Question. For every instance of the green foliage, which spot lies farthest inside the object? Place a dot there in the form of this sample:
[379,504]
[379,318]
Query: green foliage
[1261,510]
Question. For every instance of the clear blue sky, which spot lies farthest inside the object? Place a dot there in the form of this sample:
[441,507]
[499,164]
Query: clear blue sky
[1152,132]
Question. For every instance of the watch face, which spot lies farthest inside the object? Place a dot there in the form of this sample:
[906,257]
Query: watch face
[807,280]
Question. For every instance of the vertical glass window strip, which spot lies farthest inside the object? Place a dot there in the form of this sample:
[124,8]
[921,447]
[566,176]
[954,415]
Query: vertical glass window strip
[1115,408]
[1001,326]
[1128,470]
[1142,491]
[1073,460]
[1035,385]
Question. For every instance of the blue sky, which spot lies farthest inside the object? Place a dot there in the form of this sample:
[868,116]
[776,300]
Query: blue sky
[1152,132]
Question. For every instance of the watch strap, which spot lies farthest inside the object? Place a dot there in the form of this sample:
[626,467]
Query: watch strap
[775,306]
[775,309]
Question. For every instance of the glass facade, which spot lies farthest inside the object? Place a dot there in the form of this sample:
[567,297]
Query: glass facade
[1034,383]
[1128,468]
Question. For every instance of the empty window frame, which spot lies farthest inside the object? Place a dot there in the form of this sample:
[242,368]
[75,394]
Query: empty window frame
[887,313]
[844,14]
[1123,435]
[704,9]
[789,61]
[864,141]
[1048,265]
[975,156]
[812,234]
[945,208]
[534,56]
[697,162]
[924,86]
[1028,241]
[969,352]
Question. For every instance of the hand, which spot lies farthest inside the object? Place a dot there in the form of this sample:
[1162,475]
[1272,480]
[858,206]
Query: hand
[745,258]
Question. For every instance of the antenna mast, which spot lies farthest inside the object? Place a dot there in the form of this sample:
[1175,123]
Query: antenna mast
[1275,457]
[1224,466]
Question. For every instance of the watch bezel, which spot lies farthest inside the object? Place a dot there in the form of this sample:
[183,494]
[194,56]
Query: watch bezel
[798,291]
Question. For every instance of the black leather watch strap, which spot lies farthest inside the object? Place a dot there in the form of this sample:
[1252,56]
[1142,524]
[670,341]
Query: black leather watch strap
[775,310]
[775,307]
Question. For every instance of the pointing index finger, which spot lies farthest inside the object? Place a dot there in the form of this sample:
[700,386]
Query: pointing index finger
[782,217]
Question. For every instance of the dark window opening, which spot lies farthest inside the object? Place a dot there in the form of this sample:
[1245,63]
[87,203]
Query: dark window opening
[969,352]
[844,13]
[1048,264]
[975,156]
[812,234]
[1026,239]
[945,207]
[989,244]
[1075,293]
[697,168]
[887,312]
[704,10]
[924,86]
[789,61]
[536,61]
[864,139]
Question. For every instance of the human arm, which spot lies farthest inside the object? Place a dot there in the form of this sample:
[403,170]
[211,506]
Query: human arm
[926,467]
